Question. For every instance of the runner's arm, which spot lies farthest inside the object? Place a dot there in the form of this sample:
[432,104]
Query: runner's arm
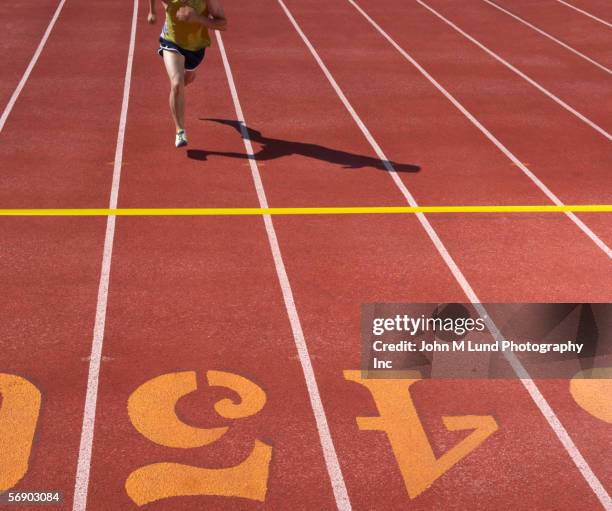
[152,12]
[215,20]
[217,15]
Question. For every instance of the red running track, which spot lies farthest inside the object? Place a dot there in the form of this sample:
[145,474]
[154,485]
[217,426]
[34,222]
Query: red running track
[51,267]
[21,41]
[201,294]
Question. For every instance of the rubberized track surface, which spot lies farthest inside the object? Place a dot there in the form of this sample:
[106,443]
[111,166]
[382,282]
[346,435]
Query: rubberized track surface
[113,319]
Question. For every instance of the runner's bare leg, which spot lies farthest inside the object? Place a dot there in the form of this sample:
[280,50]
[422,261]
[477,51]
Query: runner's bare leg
[175,67]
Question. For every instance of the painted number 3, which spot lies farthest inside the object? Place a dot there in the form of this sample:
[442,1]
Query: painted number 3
[151,408]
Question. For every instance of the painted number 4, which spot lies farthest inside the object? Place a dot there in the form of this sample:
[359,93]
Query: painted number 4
[399,419]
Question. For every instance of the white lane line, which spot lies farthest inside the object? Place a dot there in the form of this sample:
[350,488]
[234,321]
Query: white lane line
[520,371]
[585,13]
[581,225]
[549,36]
[549,414]
[28,71]
[531,81]
[89,417]
[329,452]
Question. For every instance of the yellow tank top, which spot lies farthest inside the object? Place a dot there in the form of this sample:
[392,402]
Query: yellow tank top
[190,36]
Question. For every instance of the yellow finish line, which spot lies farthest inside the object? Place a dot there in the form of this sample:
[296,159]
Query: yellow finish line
[601,208]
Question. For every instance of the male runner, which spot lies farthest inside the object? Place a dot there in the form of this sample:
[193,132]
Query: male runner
[182,44]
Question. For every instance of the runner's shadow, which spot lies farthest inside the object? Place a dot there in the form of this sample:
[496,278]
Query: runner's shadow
[274,148]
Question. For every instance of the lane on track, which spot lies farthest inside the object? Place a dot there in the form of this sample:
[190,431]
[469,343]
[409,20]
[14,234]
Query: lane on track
[563,152]
[51,267]
[213,171]
[574,81]
[49,273]
[535,250]
[474,246]
[584,93]
[583,33]
[418,99]
[329,290]
[198,294]
[549,36]
[22,42]
[52,137]
[593,9]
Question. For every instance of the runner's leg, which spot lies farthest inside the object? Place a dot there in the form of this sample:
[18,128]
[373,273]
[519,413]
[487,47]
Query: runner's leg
[175,67]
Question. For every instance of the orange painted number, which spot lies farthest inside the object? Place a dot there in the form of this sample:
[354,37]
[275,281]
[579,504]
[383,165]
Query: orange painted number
[592,391]
[151,409]
[18,417]
[399,419]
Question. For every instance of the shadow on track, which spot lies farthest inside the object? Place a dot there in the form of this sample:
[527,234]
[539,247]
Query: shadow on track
[273,148]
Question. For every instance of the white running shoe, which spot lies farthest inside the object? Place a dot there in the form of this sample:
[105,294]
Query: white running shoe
[181,138]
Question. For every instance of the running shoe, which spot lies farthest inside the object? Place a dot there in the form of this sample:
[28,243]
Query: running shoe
[181,138]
